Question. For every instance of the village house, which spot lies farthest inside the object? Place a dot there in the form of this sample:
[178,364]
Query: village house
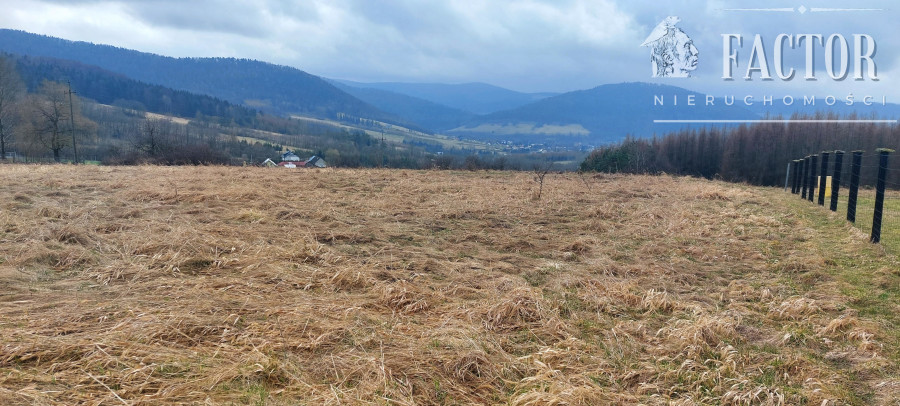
[315,162]
[290,156]
[290,160]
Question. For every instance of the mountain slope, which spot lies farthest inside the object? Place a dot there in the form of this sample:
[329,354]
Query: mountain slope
[107,87]
[886,111]
[200,128]
[257,84]
[603,114]
[433,116]
[478,98]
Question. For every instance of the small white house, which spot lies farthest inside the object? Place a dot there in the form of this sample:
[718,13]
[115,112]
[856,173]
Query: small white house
[315,162]
[290,156]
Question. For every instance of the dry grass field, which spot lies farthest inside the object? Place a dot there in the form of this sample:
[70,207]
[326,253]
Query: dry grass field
[211,285]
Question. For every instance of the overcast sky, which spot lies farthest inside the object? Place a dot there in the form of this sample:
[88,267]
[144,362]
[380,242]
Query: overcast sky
[526,45]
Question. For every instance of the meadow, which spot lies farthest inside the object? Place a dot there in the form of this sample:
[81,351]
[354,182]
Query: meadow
[224,285]
[865,210]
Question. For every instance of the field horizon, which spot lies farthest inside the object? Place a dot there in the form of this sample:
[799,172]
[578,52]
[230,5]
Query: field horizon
[228,285]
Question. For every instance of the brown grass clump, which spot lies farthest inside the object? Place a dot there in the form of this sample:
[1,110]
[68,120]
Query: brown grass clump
[796,308]
[655,300]
[211,285]
[744,393]
[839,324]
[349,280]
[520,308]
[405,298]
[471,366]
[705,331]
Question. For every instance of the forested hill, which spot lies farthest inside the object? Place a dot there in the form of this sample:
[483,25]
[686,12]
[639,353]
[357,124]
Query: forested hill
[105,87]
[476,98]
[114,89]
[433,116]
[260,85]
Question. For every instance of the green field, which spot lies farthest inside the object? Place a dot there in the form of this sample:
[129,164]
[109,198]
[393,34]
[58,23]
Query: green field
[865,211]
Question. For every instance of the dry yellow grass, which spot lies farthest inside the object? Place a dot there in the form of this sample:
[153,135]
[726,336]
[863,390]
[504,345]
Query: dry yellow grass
[155,285]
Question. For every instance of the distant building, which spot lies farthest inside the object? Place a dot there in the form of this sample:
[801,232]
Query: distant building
[269,163]
[291,160]
[315,162]
[289,157]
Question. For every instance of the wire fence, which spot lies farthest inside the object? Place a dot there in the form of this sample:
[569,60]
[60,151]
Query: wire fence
[14,158]
[831,180]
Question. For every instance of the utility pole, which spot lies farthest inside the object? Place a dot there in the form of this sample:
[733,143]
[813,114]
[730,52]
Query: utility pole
[72,121]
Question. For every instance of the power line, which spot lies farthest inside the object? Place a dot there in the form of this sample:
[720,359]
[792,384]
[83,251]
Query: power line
[72,120]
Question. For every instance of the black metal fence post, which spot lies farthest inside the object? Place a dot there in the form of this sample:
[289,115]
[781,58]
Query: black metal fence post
[813,160]
[836,178]
[855,168]
[823,178]
[804,177]
[879,194]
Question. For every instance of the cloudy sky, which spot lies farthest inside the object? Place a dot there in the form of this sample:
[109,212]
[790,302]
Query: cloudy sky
[526,45]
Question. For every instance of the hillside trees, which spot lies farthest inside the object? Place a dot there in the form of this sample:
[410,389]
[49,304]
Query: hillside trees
[50,119]
[11,90]
[152,139]
[122,121]
[755,154]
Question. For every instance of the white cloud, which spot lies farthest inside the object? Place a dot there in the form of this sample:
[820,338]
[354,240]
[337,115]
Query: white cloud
[529,45]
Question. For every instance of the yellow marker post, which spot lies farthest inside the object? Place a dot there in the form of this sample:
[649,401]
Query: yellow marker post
[827,185]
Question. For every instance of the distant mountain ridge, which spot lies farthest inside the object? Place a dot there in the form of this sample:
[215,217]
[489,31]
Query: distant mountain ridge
[608,113]
[888,111]
[477,98]
[477,111]
[600,115]
[433,116]
[261,85]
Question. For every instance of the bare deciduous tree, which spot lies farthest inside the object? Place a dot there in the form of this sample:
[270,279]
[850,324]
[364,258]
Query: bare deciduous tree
[49,118]
[540,172]
[11,90]
[154,138]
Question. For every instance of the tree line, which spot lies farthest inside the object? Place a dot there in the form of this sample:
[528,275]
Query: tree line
[50,118]
[757,154]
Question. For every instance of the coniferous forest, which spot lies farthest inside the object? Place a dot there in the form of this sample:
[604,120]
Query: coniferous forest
[757,154]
